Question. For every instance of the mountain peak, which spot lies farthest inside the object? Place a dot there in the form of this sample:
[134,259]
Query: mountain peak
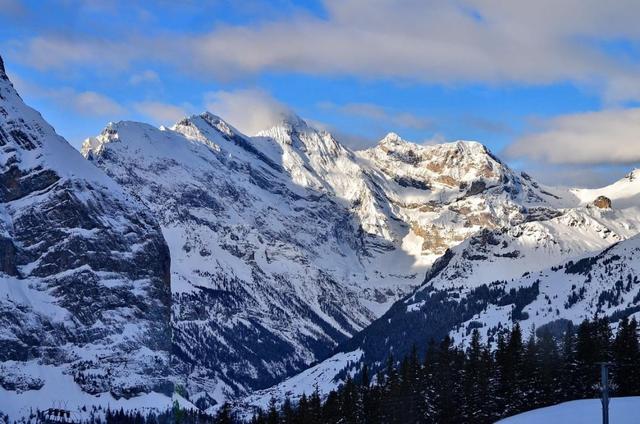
[391,139]
[292,121]
[2,70]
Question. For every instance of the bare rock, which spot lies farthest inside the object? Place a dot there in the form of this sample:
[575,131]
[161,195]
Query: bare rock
[602,202]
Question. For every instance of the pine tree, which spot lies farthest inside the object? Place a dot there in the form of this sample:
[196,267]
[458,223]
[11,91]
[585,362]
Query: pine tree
[568,373]
[225,415]
[473,384]
[627,358]
[272,414]
[287,413]
[548,365]
[303,411]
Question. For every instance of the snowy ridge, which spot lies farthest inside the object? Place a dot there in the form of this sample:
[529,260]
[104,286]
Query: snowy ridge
[623,193]
[322,377]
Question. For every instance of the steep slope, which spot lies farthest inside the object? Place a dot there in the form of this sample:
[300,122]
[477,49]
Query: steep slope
[534,272]
[251,303]
[286,244]
[84,275]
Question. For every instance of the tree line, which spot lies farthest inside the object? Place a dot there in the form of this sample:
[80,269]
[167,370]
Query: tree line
[478,383]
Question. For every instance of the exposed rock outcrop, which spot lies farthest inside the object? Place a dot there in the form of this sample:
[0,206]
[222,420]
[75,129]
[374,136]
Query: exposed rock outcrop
[602,202]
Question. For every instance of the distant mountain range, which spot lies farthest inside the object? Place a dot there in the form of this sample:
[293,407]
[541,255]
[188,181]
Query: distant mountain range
[199,260]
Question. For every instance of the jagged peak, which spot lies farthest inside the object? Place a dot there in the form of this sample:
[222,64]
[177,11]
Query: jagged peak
[111,133]
[293,121]
[194,122]
[393,142]
[2,70]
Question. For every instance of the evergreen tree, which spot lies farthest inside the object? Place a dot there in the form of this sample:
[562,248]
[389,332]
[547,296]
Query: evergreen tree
[272,414]
[225,415]
[627,358]
[476,385]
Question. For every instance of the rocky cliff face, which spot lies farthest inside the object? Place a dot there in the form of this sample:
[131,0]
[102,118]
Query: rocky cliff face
[84,274]
[251,300]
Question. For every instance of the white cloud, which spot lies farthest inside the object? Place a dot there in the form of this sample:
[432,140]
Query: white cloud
[249,110]
[86,103]
[466,41]
[604,137]
[161,113]
[489,41]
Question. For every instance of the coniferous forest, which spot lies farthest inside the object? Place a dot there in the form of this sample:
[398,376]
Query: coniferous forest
[478,384]
[446,383]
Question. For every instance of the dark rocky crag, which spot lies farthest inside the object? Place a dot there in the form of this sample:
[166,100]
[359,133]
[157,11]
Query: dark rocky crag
[84,269]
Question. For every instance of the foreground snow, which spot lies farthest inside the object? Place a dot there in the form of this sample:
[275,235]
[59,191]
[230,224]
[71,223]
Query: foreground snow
[587,411]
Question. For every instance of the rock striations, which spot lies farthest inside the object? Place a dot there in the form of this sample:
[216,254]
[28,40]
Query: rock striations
[84,275]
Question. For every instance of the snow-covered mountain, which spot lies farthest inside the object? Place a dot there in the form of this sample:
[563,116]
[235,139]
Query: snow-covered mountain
[286,244]
[293,259]
[542,273]
[84,277]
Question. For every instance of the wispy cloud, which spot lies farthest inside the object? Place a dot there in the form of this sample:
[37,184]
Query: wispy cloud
[249,110]
[146,76]
[603,137]
[86,103]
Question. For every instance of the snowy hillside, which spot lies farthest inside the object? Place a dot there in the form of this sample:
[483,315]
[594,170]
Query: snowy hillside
[623,193]
[587,411]
[84,275]
[286,244]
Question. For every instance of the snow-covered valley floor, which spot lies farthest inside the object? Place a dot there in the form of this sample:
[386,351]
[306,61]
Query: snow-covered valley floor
[587,411]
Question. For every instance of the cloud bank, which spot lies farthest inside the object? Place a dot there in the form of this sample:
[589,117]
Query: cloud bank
[603,137]
[465,41]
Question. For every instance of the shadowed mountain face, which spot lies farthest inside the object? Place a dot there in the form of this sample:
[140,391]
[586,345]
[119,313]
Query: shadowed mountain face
[286,244]
[84,273]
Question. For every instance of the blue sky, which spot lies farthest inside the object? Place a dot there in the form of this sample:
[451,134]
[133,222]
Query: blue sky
[550,86]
